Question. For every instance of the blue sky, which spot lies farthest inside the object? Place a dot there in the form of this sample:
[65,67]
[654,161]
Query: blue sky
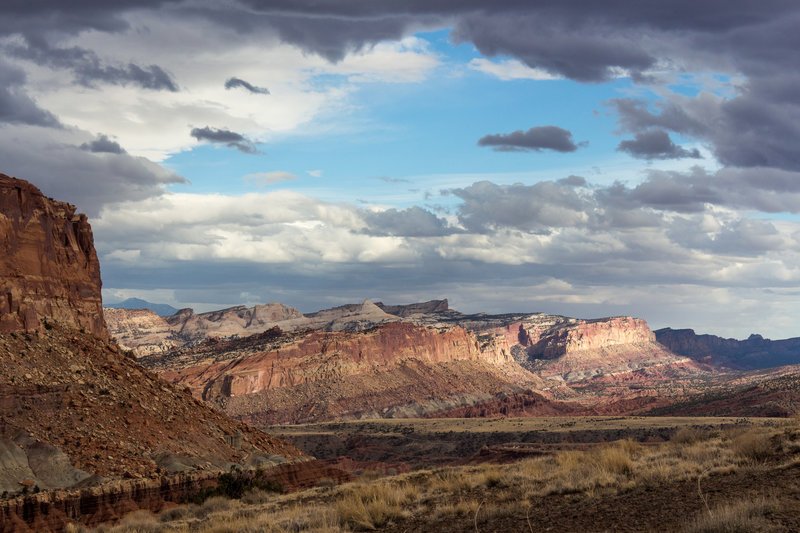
[630,158]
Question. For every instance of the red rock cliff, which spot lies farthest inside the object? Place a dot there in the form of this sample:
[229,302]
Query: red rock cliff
[48,265]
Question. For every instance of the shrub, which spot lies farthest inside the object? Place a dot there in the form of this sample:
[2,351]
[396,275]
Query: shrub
[752,446]
[741,516]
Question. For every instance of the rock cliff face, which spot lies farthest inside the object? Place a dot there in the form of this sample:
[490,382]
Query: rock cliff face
[571,350]
[396,368]
[48,266]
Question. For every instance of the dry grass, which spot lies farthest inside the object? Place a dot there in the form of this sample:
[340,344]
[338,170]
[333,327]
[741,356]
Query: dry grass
[479,495]
[752,447]
[367,506]
[740,516]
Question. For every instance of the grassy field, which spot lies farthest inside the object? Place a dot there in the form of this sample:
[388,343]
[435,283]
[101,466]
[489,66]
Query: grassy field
[711,476]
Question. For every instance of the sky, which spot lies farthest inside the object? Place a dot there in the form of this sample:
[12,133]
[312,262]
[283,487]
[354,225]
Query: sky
[578,157]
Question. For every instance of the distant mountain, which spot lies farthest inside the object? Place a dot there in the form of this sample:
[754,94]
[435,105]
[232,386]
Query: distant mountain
[137,303]
[752,353]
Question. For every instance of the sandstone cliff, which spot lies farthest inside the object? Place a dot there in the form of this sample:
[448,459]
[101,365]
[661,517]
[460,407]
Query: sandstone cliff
[391,370]
[48,266]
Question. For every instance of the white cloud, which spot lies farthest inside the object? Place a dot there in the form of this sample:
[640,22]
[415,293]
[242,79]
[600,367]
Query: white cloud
[155,124]
[510,69]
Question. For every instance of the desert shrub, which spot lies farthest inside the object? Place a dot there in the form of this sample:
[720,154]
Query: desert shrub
[741,516]
[176,513]
[234,485]
[138,522]
[370,506]
[752,446]
[459,508]
[450,480]
[214,504]
[615,460]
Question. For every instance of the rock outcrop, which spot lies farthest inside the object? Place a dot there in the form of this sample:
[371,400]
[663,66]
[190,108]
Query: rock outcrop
[48,266]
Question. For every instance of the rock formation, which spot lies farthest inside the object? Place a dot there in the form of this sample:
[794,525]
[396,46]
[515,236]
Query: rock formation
[48,266]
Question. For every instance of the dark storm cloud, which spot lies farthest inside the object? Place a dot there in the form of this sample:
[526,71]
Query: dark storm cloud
[89,69]
[656,144]
[102,144]
[15,106]
[232,83]
[536,139]
[231,139]
[410,222]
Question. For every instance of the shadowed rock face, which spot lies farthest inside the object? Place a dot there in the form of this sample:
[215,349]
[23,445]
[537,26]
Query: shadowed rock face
[48,266]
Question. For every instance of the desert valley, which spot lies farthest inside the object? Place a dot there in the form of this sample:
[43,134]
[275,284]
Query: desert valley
[395,417]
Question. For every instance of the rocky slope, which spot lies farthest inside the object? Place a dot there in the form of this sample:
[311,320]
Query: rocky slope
[48,267]
[73,409]
[752,353]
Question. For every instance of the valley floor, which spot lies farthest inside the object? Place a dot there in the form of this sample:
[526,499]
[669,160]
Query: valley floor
[712,475]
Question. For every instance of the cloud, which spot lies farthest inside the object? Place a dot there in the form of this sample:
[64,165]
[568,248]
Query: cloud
[314,173]
[232,83]
[754,189]
[102,144]
[262,179]
[231,139]
[88,179]
[510,69]
[89,69]
[410,222]
[537,208]
[387,179]
[536,139]
[656,144]
[16,107]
